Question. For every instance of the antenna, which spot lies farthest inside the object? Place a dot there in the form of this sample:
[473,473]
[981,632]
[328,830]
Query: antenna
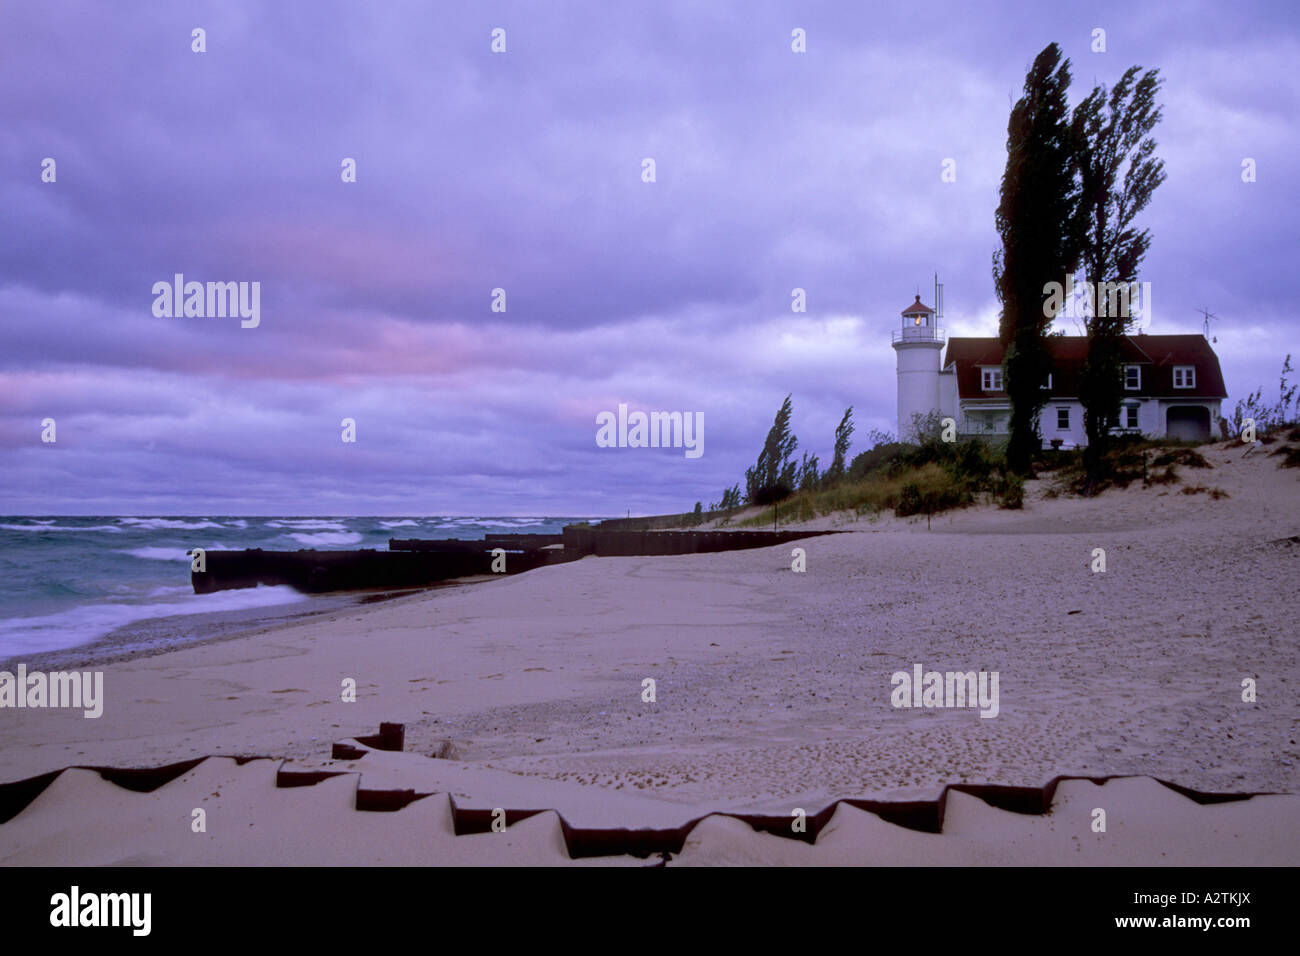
[1208,315]
[938,299]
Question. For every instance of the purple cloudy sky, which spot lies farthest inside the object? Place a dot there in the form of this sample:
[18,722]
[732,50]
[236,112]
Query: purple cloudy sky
[523,171]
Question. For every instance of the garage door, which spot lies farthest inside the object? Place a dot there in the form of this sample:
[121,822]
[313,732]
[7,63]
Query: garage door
[1188,423]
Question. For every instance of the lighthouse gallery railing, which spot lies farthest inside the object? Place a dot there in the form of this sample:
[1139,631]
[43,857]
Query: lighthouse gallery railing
[920,333]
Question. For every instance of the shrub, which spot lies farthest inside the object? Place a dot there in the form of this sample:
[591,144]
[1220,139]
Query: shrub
[1128,460]
[446,750]
[868,461]
[909,500]
[1181,456]
[973,461]
[1013,492]
[1054,459]
[770,494]
[1167,477]
[1215,493]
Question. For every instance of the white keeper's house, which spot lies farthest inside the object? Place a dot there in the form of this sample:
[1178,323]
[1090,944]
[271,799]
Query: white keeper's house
[1172,383]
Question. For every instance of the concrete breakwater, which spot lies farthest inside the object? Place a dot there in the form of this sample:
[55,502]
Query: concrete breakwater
[598,541]
[316,572]
[413,562]
[508,542]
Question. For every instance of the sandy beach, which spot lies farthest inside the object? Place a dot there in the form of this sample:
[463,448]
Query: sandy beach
[772,692]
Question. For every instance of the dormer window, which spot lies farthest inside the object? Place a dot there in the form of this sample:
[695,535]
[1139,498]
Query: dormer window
[991,380]
[1132,377]
[1184,376]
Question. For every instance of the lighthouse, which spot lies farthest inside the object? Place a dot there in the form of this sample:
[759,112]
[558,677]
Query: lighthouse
[918,344]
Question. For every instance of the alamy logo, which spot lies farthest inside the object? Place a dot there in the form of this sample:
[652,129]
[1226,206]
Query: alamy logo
[84,689]
[950,689]
[215,300]
[1086,300]
[75,908]
[651,430]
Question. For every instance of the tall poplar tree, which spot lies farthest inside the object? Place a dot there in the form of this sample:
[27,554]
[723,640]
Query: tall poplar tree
[1037,220]
[1112,136]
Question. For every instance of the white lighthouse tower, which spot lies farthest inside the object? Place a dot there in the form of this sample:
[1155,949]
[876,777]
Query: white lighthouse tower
[918,344]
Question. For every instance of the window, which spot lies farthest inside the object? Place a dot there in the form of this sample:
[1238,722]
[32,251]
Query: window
[1132,377]
[1130,416]
[1184,376]
[1063,419]
[991,381]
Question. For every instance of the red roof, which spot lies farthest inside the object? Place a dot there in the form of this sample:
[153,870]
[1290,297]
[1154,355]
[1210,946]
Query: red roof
[1156,354]
[916,307]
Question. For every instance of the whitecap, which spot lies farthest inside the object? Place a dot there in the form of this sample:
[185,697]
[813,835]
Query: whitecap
[306,524]
[60,527]
[157,523]
[327,537]
[85,623]
[168,554]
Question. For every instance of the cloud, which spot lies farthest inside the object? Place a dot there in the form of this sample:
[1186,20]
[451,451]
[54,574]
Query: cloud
[522,171]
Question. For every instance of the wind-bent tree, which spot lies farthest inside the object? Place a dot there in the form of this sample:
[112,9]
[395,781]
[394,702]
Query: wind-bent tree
[1111,135]
[809,478]
[1037,220]
[843,435]
[730,499]
[772,477]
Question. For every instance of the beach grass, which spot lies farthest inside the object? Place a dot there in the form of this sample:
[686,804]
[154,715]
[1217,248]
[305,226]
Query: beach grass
[926,479]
